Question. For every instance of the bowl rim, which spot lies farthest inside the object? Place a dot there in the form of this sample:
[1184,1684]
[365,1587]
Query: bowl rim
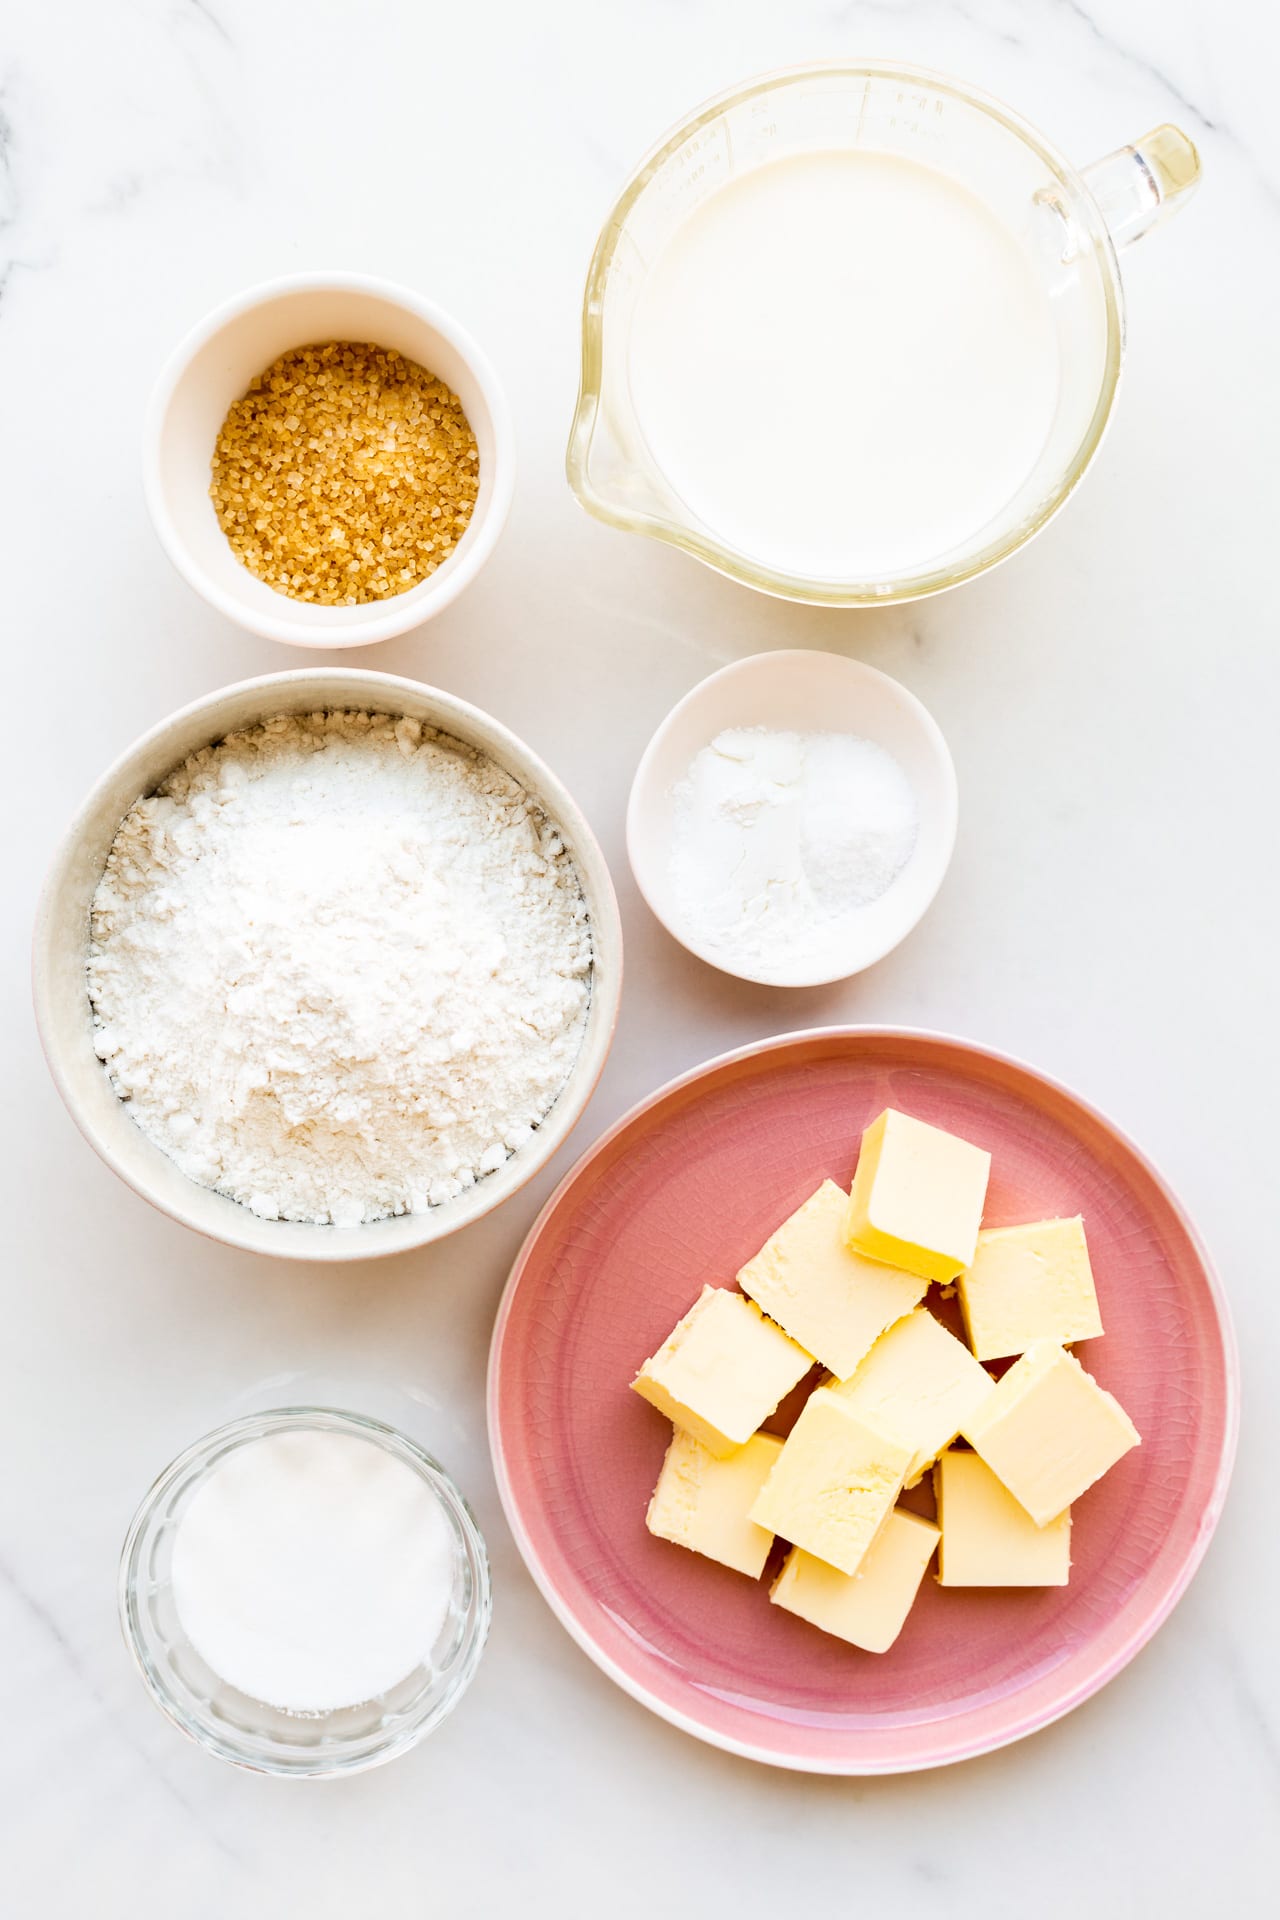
[403,611]
[948,816]
[1146,1627]
[240,1228]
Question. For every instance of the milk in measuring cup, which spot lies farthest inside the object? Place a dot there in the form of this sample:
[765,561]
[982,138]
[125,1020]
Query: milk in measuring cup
[844,364]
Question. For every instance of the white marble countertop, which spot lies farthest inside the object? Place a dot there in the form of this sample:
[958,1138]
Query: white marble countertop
[1110,696]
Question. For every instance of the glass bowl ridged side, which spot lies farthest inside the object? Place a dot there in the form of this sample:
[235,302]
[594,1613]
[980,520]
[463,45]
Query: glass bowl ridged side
[246,1732]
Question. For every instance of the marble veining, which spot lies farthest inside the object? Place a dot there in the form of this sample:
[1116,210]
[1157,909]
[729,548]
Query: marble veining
[1109,696]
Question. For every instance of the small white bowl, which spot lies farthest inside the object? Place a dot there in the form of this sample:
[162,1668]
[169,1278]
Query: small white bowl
[806,692]
[64,1017]
[213,367]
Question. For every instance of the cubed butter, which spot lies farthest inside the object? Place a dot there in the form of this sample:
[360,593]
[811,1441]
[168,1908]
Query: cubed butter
[834,1301]
[1048,1431]
[988,1540]
[702,1500]
[722,1370]
[917,1197]
[1026,1284]
[867,1608]
[919,1384]
[834,1484]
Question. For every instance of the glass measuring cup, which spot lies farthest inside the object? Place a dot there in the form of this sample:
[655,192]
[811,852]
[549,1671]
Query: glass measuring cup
[1069,225]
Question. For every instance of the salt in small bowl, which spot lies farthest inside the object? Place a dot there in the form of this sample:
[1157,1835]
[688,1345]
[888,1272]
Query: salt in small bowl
[805,691]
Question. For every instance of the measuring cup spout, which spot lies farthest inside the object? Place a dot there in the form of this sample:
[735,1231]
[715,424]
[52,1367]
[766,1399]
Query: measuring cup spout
[612,478]
[1140,185]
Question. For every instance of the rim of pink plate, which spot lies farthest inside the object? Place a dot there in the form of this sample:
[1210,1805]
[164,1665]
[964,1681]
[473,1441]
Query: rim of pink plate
[1009,1732]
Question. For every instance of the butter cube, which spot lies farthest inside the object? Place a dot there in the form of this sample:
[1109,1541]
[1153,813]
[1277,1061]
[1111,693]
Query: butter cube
[988,1540]
[1048,1431]
[829,1298]
[834,1484]
[722,1370]
[701,1501]
[919,1384]
[1029,1283]
[868,1607]
[917,1197]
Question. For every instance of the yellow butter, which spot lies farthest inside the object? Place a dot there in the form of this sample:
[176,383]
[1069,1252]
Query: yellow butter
[919,1384]
[988,1539]
[702,1500]
[1029,1283]
[1049,1431]
[834,1484]
[867,1608]
[917,1197]
[833,1301]
[722,1370]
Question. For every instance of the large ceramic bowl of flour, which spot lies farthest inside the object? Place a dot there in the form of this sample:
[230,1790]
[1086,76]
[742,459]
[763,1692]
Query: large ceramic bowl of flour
[327,987]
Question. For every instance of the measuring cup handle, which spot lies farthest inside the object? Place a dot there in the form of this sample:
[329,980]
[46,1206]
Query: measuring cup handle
[1140,185]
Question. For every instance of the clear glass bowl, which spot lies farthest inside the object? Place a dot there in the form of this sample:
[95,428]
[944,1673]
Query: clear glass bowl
[244,1731]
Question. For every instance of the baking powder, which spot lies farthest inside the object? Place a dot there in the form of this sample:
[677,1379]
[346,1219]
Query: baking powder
[781,839]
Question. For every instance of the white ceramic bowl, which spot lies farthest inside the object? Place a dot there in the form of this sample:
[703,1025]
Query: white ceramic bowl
[213,367]
[63,1013]
[809,692]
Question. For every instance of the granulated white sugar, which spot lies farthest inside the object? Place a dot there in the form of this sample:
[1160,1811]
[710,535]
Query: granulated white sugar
[313,1570]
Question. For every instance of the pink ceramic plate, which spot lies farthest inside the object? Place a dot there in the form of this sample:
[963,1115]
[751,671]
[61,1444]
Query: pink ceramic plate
[682,1191]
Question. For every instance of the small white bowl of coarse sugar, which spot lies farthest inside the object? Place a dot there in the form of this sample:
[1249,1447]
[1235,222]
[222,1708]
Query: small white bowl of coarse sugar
[328,460]
[793,817]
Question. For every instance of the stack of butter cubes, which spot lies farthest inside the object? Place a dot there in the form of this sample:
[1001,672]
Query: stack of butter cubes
[841,1285]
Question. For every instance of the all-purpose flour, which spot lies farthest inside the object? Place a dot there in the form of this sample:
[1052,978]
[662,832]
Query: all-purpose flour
[340,966]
